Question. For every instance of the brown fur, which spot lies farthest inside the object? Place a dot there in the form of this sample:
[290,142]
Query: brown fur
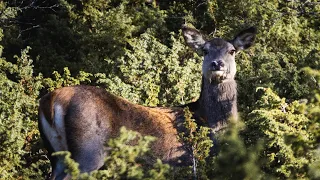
[47,102]
[117,112]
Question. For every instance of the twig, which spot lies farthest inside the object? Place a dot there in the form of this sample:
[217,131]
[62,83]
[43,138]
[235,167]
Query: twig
[28,29]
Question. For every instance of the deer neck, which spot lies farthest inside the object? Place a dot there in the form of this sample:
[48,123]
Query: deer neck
[217,103]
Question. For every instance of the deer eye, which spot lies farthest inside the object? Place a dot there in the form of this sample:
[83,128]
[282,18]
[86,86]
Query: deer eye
[205,51]
[231,52]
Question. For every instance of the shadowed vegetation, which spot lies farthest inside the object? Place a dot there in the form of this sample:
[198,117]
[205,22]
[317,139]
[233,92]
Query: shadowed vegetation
[135,49]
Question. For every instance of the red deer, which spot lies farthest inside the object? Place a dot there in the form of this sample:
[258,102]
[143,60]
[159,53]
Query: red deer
[80,119]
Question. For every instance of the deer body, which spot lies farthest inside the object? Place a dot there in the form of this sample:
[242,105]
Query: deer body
[80,119]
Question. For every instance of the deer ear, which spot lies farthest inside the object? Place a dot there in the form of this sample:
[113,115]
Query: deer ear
[193,37]
[244,39]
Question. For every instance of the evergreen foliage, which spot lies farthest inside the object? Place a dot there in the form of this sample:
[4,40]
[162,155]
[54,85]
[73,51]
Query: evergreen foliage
[198,141]
[19,142]
[288,144]
[134,48]
[242,162]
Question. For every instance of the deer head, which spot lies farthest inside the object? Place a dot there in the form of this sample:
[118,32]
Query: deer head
[219,55]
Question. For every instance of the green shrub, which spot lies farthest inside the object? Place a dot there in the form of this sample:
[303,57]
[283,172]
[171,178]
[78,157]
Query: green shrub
[19,142]
[285,128]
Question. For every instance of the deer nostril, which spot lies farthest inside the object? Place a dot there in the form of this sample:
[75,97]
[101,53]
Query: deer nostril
[221,64]
[216,65]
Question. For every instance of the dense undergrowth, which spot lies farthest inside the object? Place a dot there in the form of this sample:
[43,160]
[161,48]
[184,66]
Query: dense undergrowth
[134,48]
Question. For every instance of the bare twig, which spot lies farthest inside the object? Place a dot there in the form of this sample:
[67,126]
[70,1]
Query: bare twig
[28,29]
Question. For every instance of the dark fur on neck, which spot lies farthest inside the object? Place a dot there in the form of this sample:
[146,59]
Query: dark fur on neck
[216,104]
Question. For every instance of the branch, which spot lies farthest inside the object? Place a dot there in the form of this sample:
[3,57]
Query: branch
[28,29]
